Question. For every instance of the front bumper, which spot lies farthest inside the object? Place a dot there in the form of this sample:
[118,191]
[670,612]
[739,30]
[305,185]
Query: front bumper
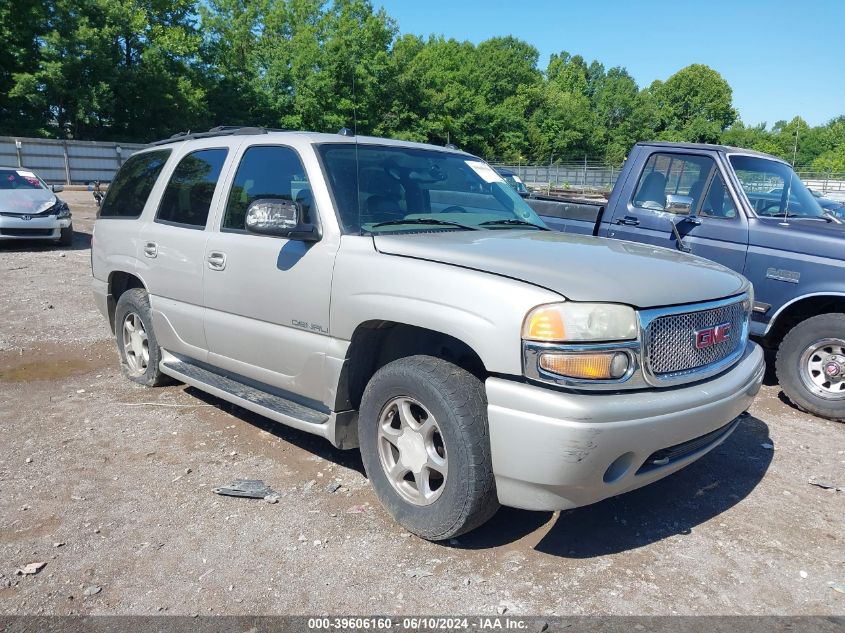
[36,228]
[554,450]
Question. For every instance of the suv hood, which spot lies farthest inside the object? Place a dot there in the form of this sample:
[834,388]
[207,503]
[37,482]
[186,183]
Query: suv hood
[578,267]
[26,201]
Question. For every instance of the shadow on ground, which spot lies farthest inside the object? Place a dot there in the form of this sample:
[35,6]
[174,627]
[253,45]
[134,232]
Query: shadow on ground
[672,506]
[306,441]
[81,242]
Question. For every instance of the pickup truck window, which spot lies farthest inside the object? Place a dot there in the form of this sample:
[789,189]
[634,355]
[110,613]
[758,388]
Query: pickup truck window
[665,173]
[128,192]
[187,198]
[718,203]
[267,172]
[773,189]
[375,184]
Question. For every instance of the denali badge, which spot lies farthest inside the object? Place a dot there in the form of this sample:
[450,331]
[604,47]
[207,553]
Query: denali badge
[712,335]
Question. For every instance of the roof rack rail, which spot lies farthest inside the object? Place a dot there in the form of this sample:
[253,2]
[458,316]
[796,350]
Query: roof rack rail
[220,130]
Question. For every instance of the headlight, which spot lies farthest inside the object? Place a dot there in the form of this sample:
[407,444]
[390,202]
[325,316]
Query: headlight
[580,322]
[63,211]
[748,304]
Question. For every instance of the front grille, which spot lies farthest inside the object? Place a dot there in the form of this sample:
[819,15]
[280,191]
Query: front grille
[26,232]
[672,339]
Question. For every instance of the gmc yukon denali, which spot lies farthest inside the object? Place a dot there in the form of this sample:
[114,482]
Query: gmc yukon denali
[403,299]
[751,213]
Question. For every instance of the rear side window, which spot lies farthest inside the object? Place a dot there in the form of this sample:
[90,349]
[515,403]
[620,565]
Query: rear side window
[187,198]
[131,187]
[268,172]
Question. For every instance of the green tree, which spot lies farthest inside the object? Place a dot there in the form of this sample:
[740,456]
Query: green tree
[694,104]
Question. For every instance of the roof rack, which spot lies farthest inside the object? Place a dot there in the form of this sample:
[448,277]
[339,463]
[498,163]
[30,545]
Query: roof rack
[220,130]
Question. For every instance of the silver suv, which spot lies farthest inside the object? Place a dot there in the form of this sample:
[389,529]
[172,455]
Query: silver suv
[403,298]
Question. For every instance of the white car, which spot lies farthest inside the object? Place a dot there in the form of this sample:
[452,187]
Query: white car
[30,210]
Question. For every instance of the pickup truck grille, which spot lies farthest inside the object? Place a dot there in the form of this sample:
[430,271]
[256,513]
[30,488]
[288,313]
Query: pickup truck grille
[683,343]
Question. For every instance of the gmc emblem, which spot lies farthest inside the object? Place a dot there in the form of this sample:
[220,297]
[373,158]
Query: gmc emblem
[712,335]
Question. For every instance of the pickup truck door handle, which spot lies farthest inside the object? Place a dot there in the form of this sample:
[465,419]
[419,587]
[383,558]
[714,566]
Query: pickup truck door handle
[150,249]
[628,220]
[216,260]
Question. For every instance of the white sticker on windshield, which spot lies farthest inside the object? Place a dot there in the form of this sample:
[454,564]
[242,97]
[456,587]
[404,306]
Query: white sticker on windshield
[26,174]
[484,170]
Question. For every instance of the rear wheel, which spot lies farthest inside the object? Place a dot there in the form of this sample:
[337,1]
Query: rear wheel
[426,448]
[811,366]
[136,341]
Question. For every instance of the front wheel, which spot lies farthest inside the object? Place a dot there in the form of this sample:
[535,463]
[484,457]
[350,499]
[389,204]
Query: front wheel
[425,445]
[811,366]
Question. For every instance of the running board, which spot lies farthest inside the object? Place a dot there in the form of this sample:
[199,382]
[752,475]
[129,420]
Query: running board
[336,427]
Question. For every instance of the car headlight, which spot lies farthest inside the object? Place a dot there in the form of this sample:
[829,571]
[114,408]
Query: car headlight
[580,322]
[748,304]
[62,211]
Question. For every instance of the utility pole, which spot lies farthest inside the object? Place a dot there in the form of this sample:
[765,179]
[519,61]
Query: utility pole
[795,148]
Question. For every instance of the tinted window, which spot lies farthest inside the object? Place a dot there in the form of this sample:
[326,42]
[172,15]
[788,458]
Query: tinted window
[128,192]
[677,174]
[267,172]
[187,198]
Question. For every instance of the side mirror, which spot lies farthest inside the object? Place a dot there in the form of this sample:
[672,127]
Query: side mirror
[679,205]
[279,218]
[682,205]
[57,188]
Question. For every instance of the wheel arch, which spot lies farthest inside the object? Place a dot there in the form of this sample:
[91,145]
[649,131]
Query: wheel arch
[119,282]
[794,312]
[375,343]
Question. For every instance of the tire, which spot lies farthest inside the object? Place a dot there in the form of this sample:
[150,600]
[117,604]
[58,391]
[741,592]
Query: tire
[66,236]
[805,354]
[139,362]
[455,399]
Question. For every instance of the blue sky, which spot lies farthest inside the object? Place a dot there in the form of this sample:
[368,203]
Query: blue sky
[781,58]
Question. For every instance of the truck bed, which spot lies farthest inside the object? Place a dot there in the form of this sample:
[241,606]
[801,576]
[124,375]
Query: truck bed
[569,215]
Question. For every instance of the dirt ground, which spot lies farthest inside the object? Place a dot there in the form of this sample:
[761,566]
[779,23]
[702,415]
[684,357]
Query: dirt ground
[109,484]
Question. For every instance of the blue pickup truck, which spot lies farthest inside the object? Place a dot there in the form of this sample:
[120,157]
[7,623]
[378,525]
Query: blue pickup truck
[750,212]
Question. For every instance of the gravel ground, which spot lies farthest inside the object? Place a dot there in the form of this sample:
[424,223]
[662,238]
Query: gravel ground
[109,484]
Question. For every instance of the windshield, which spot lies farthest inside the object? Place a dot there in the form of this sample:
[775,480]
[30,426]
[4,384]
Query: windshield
[773,189]
[380,189]
[19,179]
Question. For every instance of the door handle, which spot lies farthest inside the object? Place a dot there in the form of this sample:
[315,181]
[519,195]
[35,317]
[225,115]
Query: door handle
[628,220]
[150,249]
[216,260]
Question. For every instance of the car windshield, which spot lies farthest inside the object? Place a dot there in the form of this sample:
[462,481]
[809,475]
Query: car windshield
[19,179]
[773,189]
[380,189]
[514,181]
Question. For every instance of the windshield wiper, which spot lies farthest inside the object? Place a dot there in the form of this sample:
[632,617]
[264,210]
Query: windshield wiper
[514,222]
[432,221]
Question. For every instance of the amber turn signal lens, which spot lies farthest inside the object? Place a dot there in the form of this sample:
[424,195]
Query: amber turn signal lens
[545,324]
[612,366]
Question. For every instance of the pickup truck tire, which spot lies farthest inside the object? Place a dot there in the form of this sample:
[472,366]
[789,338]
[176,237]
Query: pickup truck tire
[811,366]
[66,236]
[454,491]
[136,341]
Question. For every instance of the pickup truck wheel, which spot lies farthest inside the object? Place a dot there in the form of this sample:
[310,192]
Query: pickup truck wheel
[136,341]
[426,448]
[811,366]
